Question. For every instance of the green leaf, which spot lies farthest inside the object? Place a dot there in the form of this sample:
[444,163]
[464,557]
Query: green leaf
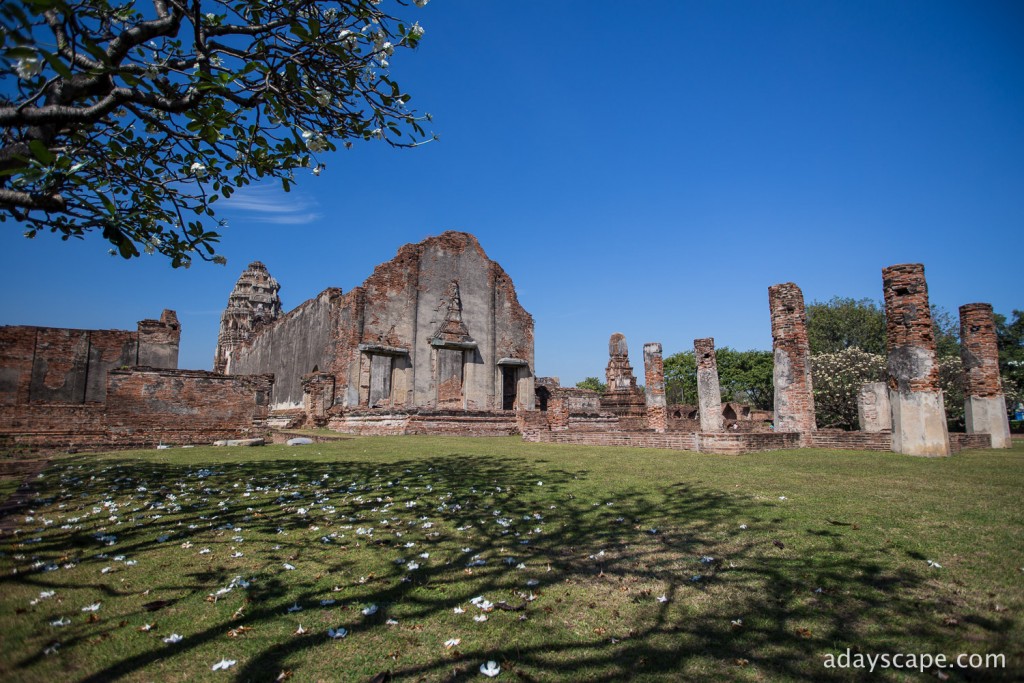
[40,152]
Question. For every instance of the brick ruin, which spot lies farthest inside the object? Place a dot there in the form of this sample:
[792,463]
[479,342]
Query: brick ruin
[434,341]
[709,393]
[918,413]
[984,403]
[622,398]
[100,388]
[794,390]
[253,304]
[654,388]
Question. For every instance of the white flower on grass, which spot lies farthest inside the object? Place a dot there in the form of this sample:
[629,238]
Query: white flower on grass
[223,665]
[204,551]
[299,631]
[662,598]
[452,642]
[370,610]
[327,602]
[459,610]
[491,668]
[51,649]
[295,608]
[288,566]
[934,565]
[63,621]
[91,608]
[532,582]
[173,638]
[412,566]
[783,498]
[707,559]
[480,617]
[198,170]
[28,67]
[340,632]
[743,526]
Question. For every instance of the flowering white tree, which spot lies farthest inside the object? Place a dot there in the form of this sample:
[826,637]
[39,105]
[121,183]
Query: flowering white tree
[132,120]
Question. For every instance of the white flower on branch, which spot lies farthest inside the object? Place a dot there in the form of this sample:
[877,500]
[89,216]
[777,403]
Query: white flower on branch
[28,67]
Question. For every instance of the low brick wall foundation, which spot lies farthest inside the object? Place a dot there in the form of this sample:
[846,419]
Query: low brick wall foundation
[440,422]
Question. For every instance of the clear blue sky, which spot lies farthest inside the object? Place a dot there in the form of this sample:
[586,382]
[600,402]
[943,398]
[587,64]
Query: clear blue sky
[647,168]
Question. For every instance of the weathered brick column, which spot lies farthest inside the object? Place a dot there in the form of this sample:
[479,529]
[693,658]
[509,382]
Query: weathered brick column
[984,403]
[874,412]
[794,390]
[654,387]
[709,394]
[918,411]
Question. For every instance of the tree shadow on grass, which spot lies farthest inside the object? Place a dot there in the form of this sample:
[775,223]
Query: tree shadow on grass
[659,582]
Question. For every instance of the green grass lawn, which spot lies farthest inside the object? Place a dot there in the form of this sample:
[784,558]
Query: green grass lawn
[597,563]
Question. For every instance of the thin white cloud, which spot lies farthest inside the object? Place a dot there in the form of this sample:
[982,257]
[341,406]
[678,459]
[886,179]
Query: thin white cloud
[270,205]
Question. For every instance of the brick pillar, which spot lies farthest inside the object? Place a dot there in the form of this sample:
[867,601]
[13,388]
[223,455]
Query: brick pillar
[918,411]
[558,413]
[654,387]
[874,412]
[984,403]
[709,394]
[794,390]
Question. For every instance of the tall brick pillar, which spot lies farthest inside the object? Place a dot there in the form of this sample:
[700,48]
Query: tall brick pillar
[709,394]
[984,403]
[654,387]
[794,390]
[918,411]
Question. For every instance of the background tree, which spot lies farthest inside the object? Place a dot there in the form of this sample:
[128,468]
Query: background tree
[132,120]
[592,383]
[1011,357]
[843,323]
[744,376]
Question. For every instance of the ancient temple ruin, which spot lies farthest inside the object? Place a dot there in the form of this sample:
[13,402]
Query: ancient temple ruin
[434,340]
[252,304]
[622,398]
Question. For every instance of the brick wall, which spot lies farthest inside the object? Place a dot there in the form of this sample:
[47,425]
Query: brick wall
[962,442]
[145,407]
[439,422]
[724,443]
[794,397]
[58,365]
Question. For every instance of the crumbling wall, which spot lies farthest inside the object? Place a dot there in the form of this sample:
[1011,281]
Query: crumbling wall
[57,365]
[794,395]
[984,402]
[918,412]
[294,345]
[145,407]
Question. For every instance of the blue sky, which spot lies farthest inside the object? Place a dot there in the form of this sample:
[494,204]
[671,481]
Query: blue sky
[646,168]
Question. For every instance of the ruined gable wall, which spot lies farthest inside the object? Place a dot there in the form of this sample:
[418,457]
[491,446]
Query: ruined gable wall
[291,347]
[404,303]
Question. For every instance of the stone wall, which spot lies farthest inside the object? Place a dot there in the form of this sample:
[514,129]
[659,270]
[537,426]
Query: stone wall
[984,403]
[292,346]
[56,365]
[794,393]
[874,412]
[918,413]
